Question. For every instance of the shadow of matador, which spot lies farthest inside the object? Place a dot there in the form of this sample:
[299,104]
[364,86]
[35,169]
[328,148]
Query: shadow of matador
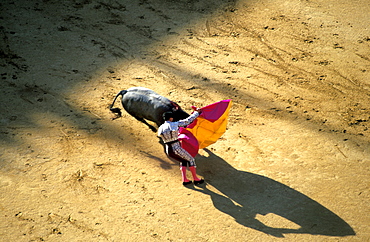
[261,195]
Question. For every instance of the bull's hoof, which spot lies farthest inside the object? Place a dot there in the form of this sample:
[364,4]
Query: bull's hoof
[186,183]
[198,182]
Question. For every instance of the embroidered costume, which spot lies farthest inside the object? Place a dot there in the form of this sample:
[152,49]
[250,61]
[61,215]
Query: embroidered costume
[169,134]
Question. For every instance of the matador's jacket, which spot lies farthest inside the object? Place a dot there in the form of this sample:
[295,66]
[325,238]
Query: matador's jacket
[169,132]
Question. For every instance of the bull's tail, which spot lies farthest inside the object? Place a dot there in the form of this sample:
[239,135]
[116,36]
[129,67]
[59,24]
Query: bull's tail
[117,110]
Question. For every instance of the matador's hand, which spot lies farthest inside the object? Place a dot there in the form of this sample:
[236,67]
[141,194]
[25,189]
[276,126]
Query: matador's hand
[199,110]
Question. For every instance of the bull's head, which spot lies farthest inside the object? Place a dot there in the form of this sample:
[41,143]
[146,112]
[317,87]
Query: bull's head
[175,106]
[178,112]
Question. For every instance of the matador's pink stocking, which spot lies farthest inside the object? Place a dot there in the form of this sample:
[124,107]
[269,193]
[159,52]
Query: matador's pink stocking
[183,174]
[193,171]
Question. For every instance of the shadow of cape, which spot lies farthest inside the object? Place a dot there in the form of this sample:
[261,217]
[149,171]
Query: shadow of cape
[245,195]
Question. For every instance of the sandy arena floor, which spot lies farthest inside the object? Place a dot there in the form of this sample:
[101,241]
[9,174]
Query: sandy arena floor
[292,166]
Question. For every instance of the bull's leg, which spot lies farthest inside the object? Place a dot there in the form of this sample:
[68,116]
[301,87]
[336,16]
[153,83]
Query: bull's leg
[145,122]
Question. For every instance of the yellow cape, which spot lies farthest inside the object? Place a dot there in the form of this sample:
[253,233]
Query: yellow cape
[208,132]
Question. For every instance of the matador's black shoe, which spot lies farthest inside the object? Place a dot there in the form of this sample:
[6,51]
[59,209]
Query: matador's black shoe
[198,182]
[186,183]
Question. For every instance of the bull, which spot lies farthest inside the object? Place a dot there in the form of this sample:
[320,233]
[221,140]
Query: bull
[145,104]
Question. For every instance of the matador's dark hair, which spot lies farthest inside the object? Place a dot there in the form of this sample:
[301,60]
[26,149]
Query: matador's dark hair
[167,115]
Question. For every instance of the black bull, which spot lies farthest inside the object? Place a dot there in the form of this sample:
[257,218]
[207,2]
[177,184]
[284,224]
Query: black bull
[145,104]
